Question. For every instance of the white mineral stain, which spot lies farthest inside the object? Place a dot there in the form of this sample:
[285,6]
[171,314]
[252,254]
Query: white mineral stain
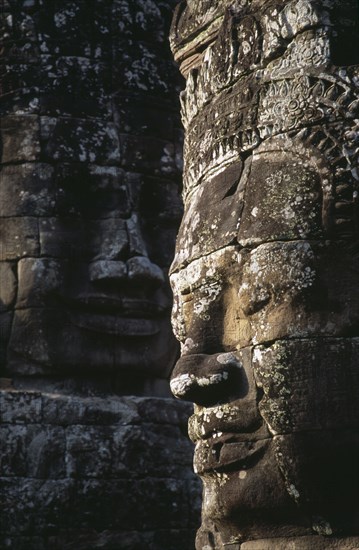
[181,384]
[292,490]
[222,478]
[322,527]
[211,380]
[226,358]
[188,345]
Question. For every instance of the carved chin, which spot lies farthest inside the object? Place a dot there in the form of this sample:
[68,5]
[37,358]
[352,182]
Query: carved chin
[251,484]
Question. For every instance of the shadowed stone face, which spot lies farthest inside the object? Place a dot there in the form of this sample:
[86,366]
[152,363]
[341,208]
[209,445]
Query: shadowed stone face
[97,297]
[266,269]
[89,190]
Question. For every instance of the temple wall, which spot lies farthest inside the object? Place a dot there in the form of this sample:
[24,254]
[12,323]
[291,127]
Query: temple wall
[83,473]
[93,450]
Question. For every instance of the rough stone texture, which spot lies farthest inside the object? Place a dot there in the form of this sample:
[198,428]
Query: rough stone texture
[94,472]
[303,543]
[266,268]
[90,178]
[90,168]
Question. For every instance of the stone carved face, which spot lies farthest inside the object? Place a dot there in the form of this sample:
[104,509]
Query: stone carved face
[89,190]
[264,327]
[264,277]
[95,294]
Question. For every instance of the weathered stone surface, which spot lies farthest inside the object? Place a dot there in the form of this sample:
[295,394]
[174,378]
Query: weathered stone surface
[265,272]
[20,408]
[8,286]
[20,138]
[308,384]
[73,238]
[6,320]
[89,179]
[32,452]
[213,219]
[277,290]
[303,543]
[285,203]
[37,279]
[90,166]
[298,290]
[75,86]
[109,470]
[22,543]
[80,140]
[309,475]
[175,539]
[19,237]
[36,343]
[91,191]
[27,190]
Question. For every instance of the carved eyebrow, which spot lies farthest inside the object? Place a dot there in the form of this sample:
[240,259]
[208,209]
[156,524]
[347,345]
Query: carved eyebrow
[199,274]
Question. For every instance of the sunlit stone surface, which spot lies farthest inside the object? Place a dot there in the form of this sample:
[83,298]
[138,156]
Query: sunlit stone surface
[266,270]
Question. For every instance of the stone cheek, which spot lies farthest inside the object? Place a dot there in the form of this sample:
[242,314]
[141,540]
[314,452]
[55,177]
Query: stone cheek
[19,237]
[36,198]
[236,297]
[20,137]
[308,385]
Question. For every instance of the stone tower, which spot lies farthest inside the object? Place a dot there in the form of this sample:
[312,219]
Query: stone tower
[266,270]
[93,447]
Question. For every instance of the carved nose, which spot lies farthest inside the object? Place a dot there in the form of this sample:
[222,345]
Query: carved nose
[207,379]
[116,239]
[110,241]
[122,255]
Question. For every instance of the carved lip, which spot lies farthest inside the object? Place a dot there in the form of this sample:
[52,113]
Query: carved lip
[224,453]
[225,419]
[115,324]
[122,316]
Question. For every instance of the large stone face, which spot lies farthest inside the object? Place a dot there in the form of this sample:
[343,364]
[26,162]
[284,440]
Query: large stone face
[89,191]
[266,268]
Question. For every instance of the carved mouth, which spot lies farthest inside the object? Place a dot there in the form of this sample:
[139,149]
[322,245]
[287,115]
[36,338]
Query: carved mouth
[224,453]
[226,439]
[115,324]
[231,419]
[120,316]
